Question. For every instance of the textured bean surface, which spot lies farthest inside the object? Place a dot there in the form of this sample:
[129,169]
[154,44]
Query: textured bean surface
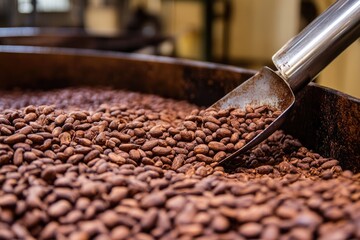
[106,164]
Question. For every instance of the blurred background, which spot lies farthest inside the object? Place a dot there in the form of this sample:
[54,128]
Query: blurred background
[243,33]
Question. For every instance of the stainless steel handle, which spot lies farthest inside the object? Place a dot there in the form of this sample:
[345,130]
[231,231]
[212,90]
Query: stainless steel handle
[304,56]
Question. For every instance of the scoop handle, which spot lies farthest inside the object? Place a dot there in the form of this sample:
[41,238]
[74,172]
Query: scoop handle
[301,59]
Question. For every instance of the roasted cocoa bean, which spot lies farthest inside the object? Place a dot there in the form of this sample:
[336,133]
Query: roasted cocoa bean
[143,167]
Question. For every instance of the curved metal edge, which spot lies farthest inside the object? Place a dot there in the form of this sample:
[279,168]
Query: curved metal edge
[128,56]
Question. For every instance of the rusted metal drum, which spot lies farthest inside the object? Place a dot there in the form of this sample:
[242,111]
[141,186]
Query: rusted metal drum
[323,119]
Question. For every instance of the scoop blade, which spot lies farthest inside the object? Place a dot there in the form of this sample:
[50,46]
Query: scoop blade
[264,88]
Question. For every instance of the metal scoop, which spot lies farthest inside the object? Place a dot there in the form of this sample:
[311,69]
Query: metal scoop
[297,63]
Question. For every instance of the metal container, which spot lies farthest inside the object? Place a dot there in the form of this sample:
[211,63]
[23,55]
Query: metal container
[324,120]
[78,38]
